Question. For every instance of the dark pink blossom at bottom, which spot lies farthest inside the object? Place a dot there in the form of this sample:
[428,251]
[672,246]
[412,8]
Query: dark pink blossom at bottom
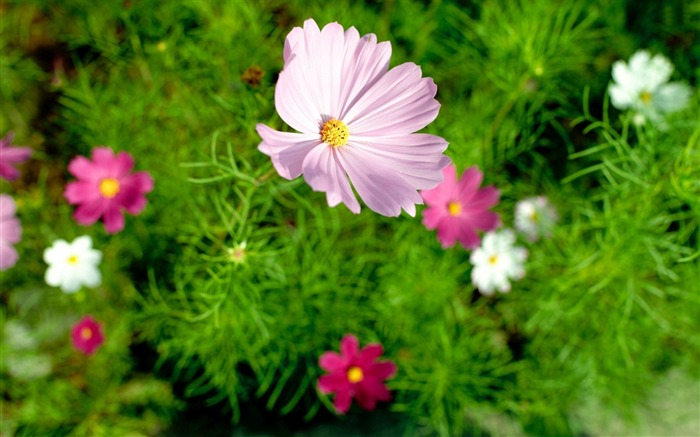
[355,373]
[87,335]
[105,187]
[10,156]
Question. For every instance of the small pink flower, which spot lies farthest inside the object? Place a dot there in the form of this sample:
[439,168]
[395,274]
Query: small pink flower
[87,335]
[10,156]
[355,373]
[459,209]
[355,120]
[10,232]
[105,186]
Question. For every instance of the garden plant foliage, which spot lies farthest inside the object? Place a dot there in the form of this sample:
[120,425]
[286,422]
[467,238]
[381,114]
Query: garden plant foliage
[233,281]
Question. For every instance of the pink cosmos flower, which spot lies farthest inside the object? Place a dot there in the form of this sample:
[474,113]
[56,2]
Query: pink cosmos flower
[105,186]
[10,156]
[356,119]
[457,209]
[87,335]
[355,373]
[10,232]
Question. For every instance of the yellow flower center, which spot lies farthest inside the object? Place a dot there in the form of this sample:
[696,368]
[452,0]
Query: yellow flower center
[72,259]
[335,133]
[535,217]
[355,374]
[493,259]
[109,187]
[645,97]
[86,333]
[454,208]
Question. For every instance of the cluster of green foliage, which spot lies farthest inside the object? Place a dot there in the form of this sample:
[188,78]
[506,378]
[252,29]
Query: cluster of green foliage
[239,279]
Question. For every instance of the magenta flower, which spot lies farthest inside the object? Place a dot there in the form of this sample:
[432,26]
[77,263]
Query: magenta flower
[459,209]
[10,156]
[87,335]
[356,119]
[105,186]
[10,232]
[355,373]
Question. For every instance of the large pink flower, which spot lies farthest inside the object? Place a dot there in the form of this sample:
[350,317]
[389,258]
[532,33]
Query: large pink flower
[105,186]
[356,119]
[10,232]
[355,373]
[10,156]
[87,335]
[458,209]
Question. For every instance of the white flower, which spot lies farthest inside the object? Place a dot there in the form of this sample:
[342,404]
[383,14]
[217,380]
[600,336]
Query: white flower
[643,87]
[496,262]
[73,265]
[535,217]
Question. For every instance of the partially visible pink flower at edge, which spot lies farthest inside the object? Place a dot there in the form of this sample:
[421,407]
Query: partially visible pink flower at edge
[105,187]
[10,232]
[458,209]
[87,335]
[10,156]
[355,373]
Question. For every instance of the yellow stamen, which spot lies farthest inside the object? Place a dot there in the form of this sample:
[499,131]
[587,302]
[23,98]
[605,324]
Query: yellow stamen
[454,208]
[645,97]
[335,133]
[355,375]
[72,259]
[535,217]
[109,187]
[86,333]
[493,259]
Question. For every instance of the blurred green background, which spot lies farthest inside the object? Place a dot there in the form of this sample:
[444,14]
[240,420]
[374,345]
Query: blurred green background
[599,338]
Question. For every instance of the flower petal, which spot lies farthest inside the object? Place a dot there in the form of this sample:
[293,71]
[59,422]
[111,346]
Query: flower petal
[349,346]
[382,189]
[333,383]
[342,401]
[332,362]
[83,168]
[370,353]
[287,150]
[445,192]
[323,172]
[88,213]
[417,158]
[400,102]
[8,255]
[113,219]
[469,183]
[82,191]
[381,370]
